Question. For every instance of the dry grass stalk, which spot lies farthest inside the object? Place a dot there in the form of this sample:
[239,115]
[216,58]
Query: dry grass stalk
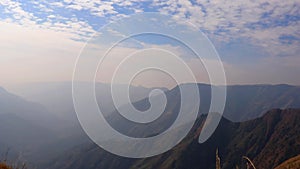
[249,162]
[218,161]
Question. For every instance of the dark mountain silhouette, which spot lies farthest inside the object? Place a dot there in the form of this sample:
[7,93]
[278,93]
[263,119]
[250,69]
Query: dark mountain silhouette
[269,141]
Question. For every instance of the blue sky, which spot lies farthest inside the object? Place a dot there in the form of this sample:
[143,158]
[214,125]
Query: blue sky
[257,40]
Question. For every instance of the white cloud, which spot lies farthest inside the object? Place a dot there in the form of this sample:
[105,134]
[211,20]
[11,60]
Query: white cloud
[225,20]
[18,14]
[31,44]
[57,4]
[81,30]
[97,8]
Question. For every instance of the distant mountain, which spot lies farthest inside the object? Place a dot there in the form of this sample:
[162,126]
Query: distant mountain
[57,97]
[27,110]
[269,141]
[74,149]
[244,102]
[43,130]
[27,127]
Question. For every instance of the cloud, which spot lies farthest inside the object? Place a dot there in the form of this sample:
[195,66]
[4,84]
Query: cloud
[81,30]
[17,13]
[271,28]
[261,22]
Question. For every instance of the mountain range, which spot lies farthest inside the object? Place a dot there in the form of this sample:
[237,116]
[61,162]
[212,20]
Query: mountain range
[269,141]
[42,125]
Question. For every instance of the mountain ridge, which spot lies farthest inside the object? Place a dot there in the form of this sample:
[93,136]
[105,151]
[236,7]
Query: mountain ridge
[242,100]
[252,138]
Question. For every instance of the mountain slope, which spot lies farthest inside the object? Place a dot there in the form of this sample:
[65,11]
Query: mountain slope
[246,102]
[27,110]
[243,103]
[269,141]
[27,127]
[292,163]
[22,135]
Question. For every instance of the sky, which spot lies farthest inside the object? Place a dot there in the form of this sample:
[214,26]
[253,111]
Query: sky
[257,40]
